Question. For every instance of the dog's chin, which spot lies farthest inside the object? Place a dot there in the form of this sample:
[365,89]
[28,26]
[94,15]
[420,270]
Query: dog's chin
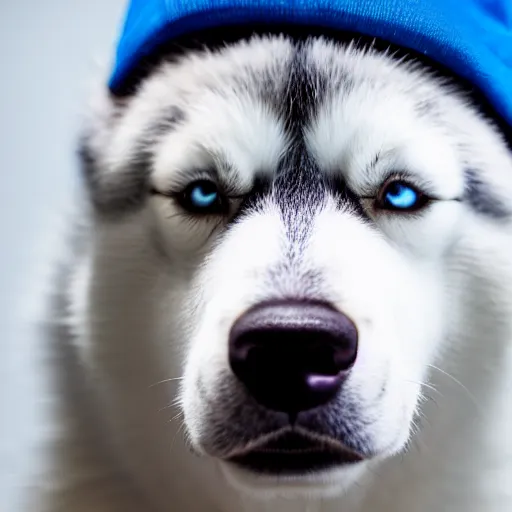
[292,463]
[322,483]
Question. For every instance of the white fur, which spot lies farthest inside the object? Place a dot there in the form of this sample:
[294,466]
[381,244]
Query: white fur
[152,297]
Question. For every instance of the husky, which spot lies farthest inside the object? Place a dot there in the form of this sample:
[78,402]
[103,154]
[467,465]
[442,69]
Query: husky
[289,288]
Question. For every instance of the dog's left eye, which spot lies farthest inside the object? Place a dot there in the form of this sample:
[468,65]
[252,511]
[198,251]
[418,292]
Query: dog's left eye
[400,196]
[203,197]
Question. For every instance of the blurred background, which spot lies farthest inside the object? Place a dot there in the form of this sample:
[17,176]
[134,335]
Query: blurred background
[51,52]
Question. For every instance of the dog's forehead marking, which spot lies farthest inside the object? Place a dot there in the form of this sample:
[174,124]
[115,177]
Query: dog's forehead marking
[297,185]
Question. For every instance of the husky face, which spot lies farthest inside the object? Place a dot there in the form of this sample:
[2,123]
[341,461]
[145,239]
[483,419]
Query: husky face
[277,223]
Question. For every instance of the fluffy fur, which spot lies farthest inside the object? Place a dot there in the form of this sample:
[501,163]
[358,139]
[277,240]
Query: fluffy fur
[301,136]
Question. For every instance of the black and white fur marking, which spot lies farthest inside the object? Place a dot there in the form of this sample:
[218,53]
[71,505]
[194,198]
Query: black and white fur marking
[300,137]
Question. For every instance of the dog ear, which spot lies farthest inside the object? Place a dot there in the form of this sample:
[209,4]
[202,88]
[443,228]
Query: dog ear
[115,150]
[107,191]
[111,190]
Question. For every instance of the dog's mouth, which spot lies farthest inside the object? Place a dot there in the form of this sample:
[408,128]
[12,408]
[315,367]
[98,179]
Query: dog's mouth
[293,453]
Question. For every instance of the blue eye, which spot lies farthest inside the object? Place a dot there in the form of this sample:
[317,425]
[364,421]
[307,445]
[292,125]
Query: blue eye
[202,197]
[398,195]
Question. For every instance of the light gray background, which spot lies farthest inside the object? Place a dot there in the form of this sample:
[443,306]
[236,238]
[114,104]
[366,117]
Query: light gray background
[49,53]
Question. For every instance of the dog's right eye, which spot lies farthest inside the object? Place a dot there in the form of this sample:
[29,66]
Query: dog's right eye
[203,197]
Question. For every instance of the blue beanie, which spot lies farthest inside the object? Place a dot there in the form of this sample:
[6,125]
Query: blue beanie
[472,38]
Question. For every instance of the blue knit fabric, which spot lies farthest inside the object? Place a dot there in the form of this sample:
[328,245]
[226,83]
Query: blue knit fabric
[473,38]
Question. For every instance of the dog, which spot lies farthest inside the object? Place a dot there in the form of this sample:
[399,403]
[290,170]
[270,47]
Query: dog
[288,288]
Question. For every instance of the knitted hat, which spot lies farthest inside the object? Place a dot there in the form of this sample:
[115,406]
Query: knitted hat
[472,38]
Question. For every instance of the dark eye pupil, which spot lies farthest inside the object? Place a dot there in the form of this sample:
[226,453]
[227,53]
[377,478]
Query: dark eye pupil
[206,188]
[394,189]
[202,197]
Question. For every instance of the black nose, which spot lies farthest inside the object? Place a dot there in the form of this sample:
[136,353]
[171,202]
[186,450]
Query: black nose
[292,356]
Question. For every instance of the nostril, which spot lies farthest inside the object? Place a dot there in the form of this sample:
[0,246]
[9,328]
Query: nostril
[292,356]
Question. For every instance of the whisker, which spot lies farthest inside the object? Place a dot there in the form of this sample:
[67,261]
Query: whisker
[424,384]
[459,383]
[176,402]
[423,418]
[176,416]
[425,398]
[173,379]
